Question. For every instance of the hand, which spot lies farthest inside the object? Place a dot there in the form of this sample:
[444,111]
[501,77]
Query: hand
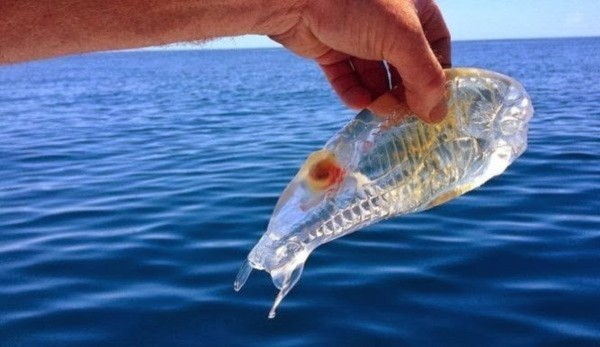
[351,39]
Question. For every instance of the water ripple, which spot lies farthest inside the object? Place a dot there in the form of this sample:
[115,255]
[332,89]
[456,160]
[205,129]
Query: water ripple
[133,185]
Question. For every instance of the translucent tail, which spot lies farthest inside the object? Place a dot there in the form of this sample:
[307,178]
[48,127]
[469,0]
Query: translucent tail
[285,282]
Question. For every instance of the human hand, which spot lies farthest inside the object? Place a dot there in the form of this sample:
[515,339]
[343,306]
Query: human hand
[350,40]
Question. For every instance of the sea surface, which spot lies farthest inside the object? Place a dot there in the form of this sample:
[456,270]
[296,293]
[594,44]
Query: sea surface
[133,184]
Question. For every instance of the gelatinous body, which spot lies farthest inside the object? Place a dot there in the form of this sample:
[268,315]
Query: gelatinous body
[377,167]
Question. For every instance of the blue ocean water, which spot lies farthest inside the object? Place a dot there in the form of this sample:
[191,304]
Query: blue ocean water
[133,184]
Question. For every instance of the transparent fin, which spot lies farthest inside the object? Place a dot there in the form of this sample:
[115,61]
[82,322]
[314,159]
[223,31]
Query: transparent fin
[285,289]
[242,275]
[282,293]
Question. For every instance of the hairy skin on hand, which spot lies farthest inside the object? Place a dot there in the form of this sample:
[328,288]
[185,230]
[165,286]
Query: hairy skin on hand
[32,29]
[349,39]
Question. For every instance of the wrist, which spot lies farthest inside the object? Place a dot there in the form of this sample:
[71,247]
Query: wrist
[277,16]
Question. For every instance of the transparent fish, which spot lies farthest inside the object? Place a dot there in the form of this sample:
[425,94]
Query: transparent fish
[386,165]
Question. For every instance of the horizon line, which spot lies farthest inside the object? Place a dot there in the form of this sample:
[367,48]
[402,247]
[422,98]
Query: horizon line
[196,46]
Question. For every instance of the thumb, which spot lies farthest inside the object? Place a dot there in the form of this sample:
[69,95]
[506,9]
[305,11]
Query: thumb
[421,73]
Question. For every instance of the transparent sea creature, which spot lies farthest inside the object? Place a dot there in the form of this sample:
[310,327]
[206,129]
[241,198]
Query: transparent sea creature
[389,164]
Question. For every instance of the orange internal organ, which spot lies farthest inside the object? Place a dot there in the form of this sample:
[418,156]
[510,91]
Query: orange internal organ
[324,172]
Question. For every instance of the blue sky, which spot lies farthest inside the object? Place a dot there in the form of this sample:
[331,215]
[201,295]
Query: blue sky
[493,19]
